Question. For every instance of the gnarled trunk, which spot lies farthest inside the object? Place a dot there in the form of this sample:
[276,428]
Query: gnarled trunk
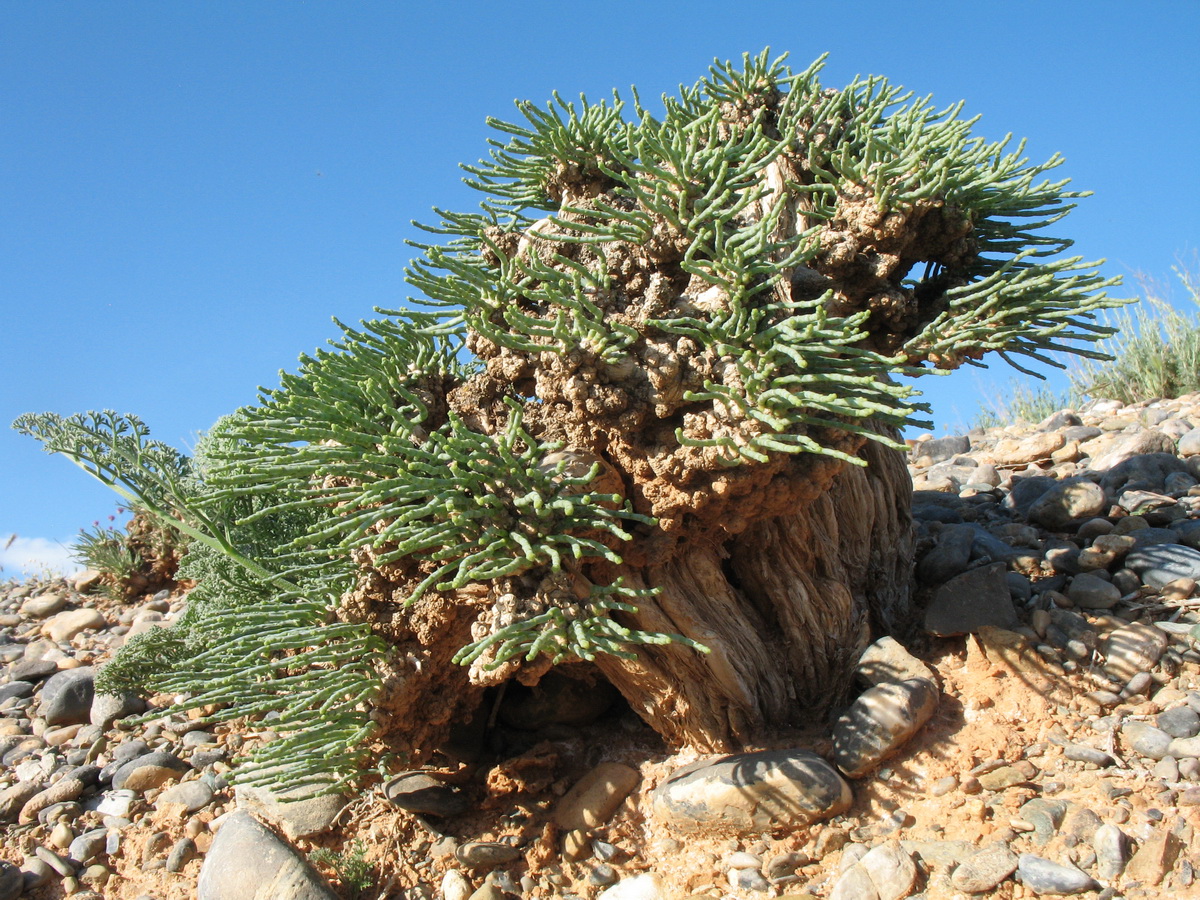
[785,608]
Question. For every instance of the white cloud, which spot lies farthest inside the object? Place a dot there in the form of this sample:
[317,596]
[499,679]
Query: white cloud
[35,556]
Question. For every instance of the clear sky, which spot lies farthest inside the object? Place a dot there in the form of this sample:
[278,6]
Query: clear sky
[189,191]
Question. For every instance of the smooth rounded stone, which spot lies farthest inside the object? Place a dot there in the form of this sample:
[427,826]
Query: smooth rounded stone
[1131,649]
[60,865]
[880,722]
[1004,777]
[1166,768]
[43,605]
[483,854]
[66,788]
[891,870]
[594,799]
[488,891]
[149,771]
[37,872]
[1146,739]
[14,798]
[752,792]
[181,854]
[65,625]
[12,881]
[16,689]
[647,886]
[297,816]
[854,884]
[1031,448]
[1161,564]
[938,450]
[1084,754]
[1179,722]
[87,846]
[107,708]
[948,557]
[1152,460]
[887,660]
[455,886]
[1045,877]
[1045,816]
[194,739]
[419,793]
[1184,748]
[1092,592]
[248,861]
[739,879]
[982,871]
[1068,501]
[1188,531]
[66,698]
[191,795]
[23,749]
[32,669]
[970,601]
[1112,851]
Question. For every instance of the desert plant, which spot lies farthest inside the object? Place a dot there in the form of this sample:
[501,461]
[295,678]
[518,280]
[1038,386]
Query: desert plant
[1021,403]
[350,866]
[1155,349]
[106,550]
[647,419]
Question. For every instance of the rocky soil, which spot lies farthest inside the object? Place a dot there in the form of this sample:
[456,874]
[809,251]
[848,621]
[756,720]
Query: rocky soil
[1040,737]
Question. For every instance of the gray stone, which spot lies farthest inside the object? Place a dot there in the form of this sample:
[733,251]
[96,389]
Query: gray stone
[248,861]
[12,881]
[891,870]
[1180,722]
[1084,754]
[880,722]
[1189,443]
[32,669]
[66,698]
[1131,649]
[1139,461]
[290,811]
[1112,851]
[1184,748]
[971,601]
[43,605]
[181,853]
[887,660]
[1045,816]
[158,759]
[419,793]
[948,557]
[15,689]
[13,799]
[485,854]
[1163,563]
[192,795]
[984,870]
[1146,739]
[752,792]
[88,845]
[940,449]
[854,884]
[1149,537]
[1093,592]
[1045,877]
[107,708]
[1027,490]
[1066,503]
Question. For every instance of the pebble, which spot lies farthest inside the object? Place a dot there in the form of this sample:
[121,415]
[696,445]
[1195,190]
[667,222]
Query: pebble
[880,722]
[417,792]
[192,795]
[12,881]
[66,698]
[484,854]
[247,861]
[1112,851]
[1045,877]
[982,871]
[594,799]
[751,792]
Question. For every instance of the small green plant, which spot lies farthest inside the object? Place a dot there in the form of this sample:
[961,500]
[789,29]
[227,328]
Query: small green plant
[1155,349]
[350,866]
[107,550]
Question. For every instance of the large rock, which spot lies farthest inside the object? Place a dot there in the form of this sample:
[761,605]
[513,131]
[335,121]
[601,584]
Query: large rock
[1068,502]
[67,697]
[749,793]
[1131,649]
[159,767]
[248,861]
[292,811]
[1160,564]
[970,601]
[887,660]
[1140,443]
[880,722]
[65,625]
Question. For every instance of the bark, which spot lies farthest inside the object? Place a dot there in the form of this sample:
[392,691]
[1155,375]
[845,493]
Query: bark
[785,608]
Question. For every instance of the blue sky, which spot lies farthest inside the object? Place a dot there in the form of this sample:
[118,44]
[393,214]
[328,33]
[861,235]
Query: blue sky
[190,191]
